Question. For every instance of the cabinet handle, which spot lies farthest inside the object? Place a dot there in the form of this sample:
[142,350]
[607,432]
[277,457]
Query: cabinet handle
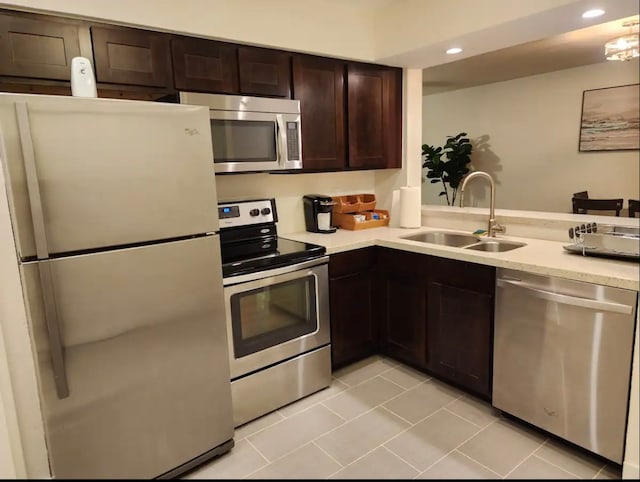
[42,252]
[567,299]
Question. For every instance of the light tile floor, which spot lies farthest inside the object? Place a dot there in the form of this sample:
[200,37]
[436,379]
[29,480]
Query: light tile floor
[382,420]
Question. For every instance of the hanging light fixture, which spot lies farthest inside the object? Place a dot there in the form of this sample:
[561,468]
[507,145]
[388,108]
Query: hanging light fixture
[624,47]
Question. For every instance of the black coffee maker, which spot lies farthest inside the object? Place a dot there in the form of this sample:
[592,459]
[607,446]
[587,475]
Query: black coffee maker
[318,211]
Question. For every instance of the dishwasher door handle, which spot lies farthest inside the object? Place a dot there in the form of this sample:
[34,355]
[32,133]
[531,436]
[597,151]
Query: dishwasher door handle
[568,300]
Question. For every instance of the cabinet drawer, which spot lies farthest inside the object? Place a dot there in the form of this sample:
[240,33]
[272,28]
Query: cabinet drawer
[462,274]
[402,262]
[351,262]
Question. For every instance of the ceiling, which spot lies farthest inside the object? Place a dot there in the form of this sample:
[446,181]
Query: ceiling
[571,49]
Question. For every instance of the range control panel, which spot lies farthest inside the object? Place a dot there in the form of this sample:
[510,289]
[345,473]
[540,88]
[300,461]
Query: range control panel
[245,213]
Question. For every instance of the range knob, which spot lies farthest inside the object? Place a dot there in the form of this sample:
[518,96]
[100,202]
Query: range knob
[254,212]
[266,211]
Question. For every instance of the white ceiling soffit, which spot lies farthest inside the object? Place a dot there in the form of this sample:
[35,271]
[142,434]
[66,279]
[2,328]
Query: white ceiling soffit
[572,49]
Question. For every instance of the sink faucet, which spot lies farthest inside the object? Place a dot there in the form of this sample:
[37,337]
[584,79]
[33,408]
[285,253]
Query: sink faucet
[493,226]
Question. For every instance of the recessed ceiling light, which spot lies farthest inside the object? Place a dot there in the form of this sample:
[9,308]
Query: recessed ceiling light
[454,50]
[596,12]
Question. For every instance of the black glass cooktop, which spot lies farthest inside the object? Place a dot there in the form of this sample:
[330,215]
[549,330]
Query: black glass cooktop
[266,253]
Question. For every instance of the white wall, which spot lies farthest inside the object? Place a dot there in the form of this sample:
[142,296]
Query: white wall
[529,129]
[288,189]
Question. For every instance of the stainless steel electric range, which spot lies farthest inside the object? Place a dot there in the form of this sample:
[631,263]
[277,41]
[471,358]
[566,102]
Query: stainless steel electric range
[276,295]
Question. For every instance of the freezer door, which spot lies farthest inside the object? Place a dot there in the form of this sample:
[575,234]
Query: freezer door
[145,356]
[107,172]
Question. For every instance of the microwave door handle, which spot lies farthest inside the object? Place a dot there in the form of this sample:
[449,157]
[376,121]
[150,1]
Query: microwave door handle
[281,140]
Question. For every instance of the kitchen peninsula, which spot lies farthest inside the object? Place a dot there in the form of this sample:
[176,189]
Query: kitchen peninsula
[416,286]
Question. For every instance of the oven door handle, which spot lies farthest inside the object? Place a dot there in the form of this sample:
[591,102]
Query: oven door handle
[243,278]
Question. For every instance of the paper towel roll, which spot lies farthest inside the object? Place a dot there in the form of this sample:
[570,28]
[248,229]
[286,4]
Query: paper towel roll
[410,202]
[394,215]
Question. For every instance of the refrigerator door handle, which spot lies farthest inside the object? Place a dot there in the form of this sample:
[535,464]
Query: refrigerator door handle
[42,251]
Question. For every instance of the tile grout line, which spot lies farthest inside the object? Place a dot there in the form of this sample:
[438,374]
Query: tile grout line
[556,465]
[461,417]
[459,445]
[541,457]
[532,454]
[330,456]
[261,455]
[481,465]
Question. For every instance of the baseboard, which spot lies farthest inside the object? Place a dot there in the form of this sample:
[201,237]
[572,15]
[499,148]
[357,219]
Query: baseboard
[630,470]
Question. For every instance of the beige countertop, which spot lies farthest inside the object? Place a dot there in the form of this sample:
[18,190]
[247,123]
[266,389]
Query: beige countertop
[538,256]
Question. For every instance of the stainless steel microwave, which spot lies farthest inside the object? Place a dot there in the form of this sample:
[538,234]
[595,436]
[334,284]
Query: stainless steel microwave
[252,134]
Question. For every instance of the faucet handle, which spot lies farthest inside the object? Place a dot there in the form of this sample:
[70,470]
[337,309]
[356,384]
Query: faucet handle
[498,228]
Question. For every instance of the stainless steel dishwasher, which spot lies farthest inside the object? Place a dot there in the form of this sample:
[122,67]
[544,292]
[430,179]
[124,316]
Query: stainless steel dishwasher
[562,357]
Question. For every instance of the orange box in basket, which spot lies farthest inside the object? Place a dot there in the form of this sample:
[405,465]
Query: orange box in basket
[348,220]
[354,203]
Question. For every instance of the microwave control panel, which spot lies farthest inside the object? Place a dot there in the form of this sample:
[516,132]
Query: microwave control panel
[293,142]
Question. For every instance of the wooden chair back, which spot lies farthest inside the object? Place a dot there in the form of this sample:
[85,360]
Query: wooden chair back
[634,207]
[583,205]
[581,195]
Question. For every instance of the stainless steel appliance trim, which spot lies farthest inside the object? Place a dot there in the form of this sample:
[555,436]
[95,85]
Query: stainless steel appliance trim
[281,141]
[290,348]
[42,252]
[276,386]
[241,103]
[570,300]
[219,450]
[243,278]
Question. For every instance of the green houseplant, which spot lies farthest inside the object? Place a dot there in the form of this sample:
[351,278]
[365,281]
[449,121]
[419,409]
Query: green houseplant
[448,164]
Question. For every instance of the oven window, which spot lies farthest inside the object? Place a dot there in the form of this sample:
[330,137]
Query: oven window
[243,140]
[267,316]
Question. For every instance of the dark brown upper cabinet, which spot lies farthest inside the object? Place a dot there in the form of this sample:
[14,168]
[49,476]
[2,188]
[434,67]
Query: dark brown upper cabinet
[264,72]
[318,83]
[204,65]
[132,56]
[37,48]
[374,113]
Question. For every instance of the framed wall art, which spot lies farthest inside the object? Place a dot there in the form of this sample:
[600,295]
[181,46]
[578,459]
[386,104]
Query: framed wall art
[610,119]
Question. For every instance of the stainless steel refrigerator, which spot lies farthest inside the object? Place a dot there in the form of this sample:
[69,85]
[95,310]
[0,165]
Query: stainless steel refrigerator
[114,213]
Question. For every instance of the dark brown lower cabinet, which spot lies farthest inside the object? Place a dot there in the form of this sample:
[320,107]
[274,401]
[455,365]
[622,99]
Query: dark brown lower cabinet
[432,313]
[460,324]
[353,328]
[401,305]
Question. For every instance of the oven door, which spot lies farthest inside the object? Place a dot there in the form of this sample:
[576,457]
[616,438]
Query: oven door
[283,313]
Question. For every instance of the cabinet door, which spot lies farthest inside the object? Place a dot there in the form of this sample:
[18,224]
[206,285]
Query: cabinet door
[37,48]
[374,111]
[318,83]
[204,65]
[131,56]
[460,336]
[353,327]
[401,305]
[353,334]
[264,72]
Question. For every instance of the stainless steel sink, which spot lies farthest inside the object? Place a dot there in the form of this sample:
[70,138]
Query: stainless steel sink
[495,246]
[465,241]
[444,238]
